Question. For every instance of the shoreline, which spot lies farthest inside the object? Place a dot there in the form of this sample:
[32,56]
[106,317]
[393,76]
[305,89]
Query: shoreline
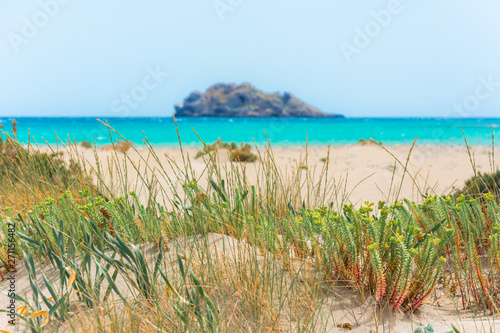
[293,145]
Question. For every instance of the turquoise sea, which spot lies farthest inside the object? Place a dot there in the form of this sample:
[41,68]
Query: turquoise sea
[280,131]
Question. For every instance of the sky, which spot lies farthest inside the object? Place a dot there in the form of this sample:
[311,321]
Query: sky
[123,58]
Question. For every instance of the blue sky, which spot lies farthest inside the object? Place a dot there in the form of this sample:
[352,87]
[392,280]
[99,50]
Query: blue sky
[359,58]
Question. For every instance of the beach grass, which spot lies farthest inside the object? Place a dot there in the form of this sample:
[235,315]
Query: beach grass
[282,253]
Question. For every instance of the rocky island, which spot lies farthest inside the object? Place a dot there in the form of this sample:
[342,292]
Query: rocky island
[232,100]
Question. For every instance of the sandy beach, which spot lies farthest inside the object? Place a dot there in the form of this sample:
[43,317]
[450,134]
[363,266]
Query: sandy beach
[361,172]
[364,172]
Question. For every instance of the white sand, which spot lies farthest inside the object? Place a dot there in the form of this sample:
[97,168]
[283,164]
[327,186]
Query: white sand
[365,171]
[343,305]
[368,172]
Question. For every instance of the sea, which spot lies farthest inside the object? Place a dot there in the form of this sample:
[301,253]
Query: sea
[277,131]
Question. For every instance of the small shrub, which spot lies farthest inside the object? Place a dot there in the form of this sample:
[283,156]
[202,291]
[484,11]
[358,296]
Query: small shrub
[16,161]
[121,146]
[236,154]
[125,145]
[219,144]
[365,142]
[86,144]
[28,176]
[481,184]
[242,154]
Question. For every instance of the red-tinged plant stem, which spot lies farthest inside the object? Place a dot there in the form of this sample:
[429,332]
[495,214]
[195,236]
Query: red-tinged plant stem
[416,304]
[463,288]
[472,285]
[484,288]
[401,298]
[394,292]
[381,287]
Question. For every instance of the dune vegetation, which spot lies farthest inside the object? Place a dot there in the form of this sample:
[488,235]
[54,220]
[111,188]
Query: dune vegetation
[276,255]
